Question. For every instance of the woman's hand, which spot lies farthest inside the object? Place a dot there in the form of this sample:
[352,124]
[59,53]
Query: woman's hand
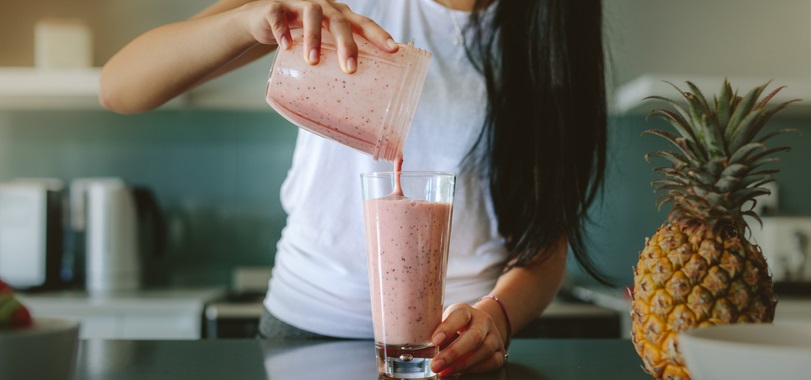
[469,341]
[270,21]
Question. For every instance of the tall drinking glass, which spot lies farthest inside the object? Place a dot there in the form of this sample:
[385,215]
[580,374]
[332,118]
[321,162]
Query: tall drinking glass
[408,226]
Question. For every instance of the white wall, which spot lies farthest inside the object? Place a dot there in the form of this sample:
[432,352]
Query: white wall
[114,24]
[762,38]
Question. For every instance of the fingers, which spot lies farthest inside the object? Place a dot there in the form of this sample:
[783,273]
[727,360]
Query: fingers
[340,28]
[474,347]
[276,18]
[312,16]
[370,30]
[477,348]
[456,318]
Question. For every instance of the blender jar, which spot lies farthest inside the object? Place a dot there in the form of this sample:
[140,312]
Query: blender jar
[370,110]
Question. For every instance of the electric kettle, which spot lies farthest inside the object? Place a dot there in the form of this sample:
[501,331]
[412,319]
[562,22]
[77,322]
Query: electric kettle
[113,215]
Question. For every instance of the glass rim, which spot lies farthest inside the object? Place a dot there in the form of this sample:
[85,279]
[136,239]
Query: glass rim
[408,173]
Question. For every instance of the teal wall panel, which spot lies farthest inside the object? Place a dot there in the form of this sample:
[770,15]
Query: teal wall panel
[217,175]
[628,213]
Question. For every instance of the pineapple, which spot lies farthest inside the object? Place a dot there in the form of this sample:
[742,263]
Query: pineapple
[699,269]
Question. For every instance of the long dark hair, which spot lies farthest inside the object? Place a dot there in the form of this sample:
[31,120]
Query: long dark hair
[543,144]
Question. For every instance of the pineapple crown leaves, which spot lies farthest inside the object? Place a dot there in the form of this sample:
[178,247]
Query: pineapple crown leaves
[712,168]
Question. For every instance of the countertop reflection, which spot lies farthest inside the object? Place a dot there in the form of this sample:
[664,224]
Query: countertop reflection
[244,359]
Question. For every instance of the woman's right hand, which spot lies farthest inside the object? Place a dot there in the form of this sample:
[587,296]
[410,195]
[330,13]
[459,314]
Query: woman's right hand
[270,21]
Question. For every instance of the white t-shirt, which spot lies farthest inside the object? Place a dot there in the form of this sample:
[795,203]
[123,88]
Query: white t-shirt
[320,280]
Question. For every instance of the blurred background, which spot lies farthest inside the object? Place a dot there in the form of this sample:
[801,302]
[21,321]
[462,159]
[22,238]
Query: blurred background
[215,158]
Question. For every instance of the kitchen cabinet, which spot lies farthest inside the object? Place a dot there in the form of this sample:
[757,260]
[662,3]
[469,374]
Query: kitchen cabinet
[28,88]
[690,39]
[147,314]
[77,89]
[567,318]
[22,88]
[112,25]
[629,98]
[748,42]
[563,318]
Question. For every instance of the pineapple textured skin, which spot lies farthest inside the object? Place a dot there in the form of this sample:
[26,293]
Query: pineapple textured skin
[690,276]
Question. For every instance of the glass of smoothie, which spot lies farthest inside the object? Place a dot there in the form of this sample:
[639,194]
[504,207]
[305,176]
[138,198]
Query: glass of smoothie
[408,225]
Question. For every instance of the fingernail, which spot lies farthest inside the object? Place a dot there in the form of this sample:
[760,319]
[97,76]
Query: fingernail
[285,43]
[351,65]
[392,44]
[438,339]
[437,365]
[314,56]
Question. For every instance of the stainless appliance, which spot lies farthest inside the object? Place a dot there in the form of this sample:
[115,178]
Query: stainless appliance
[31,233]
[112,215]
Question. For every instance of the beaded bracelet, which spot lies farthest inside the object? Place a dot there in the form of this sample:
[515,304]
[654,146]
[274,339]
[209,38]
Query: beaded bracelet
[506,317]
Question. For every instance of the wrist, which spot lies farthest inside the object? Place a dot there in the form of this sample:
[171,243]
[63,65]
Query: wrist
[498,311]
[248,29]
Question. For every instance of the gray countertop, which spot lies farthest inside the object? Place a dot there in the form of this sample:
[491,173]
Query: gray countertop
[790,308]
[168,313]
[246,359]
[162,299]
[557,309]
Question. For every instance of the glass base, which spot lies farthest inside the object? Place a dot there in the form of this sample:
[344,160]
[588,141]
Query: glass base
[399,362]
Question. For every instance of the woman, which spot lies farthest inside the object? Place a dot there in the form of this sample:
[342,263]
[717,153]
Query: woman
[513,101]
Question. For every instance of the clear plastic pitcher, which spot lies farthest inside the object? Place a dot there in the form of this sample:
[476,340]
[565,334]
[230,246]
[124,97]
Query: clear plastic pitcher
[370,110]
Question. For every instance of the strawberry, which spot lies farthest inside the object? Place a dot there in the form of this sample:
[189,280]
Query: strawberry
[12,313]
[21,318]
[4,288]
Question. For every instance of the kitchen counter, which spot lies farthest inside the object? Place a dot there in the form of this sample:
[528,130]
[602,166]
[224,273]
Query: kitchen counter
[562,319]
[171,313]
[129,301]
[790,308]
[557,309]
[246,359]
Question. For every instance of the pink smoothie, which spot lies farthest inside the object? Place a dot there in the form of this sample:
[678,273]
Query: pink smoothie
[408,275]
[332,107]
[357,110]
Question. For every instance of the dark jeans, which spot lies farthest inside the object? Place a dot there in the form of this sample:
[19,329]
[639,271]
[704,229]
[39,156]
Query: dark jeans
[271,327]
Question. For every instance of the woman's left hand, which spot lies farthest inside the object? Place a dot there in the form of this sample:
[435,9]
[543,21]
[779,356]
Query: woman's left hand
[469,341]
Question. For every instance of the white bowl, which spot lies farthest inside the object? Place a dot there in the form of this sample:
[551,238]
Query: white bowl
[748,351]
[46,350]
